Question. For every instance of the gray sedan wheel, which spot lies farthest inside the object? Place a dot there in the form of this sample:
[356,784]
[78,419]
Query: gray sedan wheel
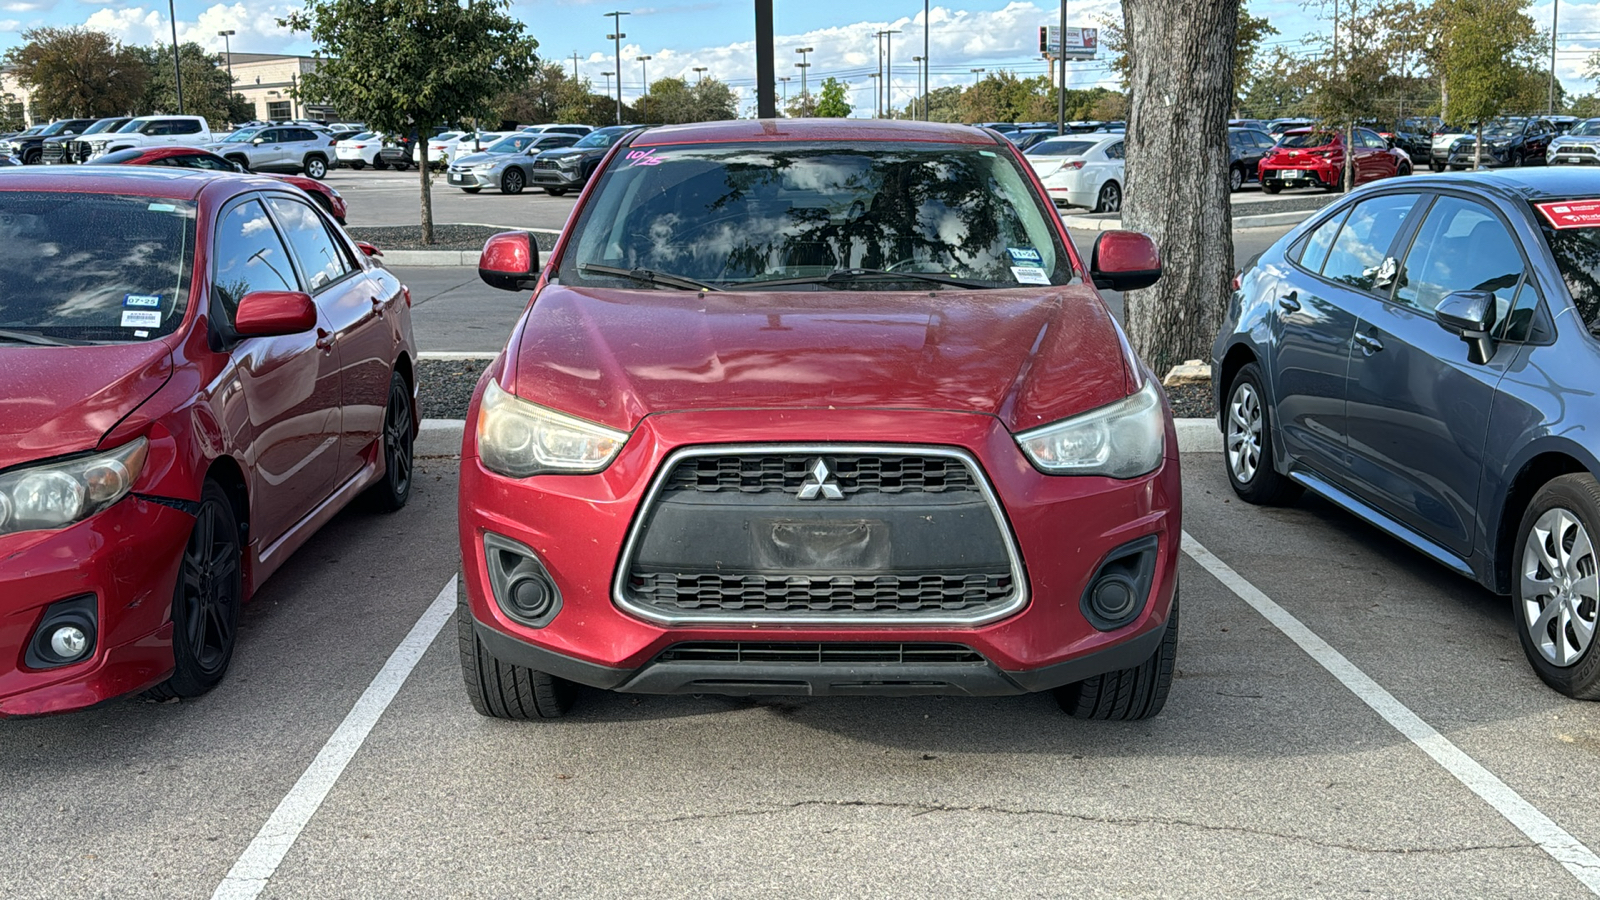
[1247,442]
[512,181]
[1556,585]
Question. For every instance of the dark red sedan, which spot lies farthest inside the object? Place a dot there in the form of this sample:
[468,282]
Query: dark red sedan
[804,407]
[1311,157]
[329,199]
[196,372]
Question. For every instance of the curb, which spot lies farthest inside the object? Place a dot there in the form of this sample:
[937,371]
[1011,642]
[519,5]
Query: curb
[1268,220]
[451,258]
[442,437]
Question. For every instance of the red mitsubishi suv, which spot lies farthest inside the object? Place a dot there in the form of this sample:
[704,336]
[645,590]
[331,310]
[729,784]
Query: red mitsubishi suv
[815,407]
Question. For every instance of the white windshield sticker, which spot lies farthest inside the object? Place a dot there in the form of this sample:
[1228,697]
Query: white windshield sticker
[1029,275]
[141,318]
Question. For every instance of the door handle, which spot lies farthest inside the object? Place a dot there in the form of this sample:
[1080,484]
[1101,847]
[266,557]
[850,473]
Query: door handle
[1290,301]
[324,339]
[1368,344]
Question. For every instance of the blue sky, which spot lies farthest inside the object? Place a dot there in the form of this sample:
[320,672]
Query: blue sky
[718,34]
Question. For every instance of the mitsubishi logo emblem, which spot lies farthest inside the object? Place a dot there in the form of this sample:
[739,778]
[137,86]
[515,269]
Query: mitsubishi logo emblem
[820,480]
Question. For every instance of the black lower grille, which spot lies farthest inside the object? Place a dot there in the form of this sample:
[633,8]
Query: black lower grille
[544,164]
[820,594]
[835,653]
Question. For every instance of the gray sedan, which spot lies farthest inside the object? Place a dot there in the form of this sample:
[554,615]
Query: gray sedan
[505,164]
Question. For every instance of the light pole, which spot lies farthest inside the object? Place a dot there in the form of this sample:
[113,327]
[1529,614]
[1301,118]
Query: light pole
[877,94]
[607,76]
[786,79]
[644,74]
[803,65]
[616,36]
[975,74]
[888,73]
[927,87]
[701,71]
[918,60]
[1061,89]
[227,52]
[1555,15]
[177,71]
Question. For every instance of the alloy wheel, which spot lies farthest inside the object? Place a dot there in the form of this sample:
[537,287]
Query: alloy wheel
[210,581]
[1244,432]
[1235,179]
[1560,589]
[1110,198]
[397,445]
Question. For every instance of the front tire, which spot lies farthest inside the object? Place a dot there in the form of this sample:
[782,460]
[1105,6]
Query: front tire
[1109,198]
[1247,443]
[500,690]
[512,182]
[399,446]
[1555,587]
[1127,695]
[379,164]
[471,190]
[205,603]
[1235,179]
[316,167]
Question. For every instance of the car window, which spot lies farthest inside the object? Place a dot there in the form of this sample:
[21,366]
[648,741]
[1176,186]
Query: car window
[1461,246]
[1363,243]
[1372,141]
[209,163]
[1518,323]
[320,259]
[249,257]
[1314,250]
[185,126]
[1058,147]
[1114,151]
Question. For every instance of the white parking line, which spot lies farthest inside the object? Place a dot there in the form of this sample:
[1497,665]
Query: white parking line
[1552,838]
[250,873]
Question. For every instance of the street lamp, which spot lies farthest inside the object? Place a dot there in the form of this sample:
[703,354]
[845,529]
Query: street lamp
[1555,15]
[975,74]
[785,79]
[177,71]
[701,71]
[888,72]
[926,74]
[918,60]
[226,51]
[616,36]
[803,65]
[644,74]
[607,76]
[877,95]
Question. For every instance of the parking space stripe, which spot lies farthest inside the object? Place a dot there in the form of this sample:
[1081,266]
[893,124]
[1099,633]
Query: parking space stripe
[1552,838]
[251,872]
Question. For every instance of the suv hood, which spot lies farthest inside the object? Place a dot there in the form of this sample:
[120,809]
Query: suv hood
[58,400]
[1028,355]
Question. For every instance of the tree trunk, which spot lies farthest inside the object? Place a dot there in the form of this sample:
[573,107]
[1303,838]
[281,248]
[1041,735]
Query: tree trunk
[1181,87]
[1477,148]
[1347,175]
[427,197]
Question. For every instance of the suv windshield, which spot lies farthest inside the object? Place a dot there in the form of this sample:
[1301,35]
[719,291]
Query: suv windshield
[95,267]
[1503,128]
[242,136]
[1308,139]
[1586,128]
[1060,148]
[602,138]
[830,214]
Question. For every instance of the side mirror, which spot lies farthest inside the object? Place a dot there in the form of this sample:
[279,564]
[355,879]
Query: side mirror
[1469,315]
[510,261]
[368,249]
[274,313]
[1124,261]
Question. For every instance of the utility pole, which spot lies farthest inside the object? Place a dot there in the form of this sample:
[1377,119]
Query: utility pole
[616,36]
[644,74]
[888,73]
[1555,16]
[1061,87]
[177,70]
[927,83]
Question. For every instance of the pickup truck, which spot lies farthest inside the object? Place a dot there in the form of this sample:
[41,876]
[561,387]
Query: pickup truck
[149,131]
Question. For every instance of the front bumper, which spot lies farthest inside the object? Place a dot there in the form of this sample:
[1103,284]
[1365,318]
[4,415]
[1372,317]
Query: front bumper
[127,557]
[1491,158]
[1063,528]
[558,178]
[466,178]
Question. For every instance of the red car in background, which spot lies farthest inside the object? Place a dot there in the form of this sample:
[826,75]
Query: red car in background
[194,158]
[816,407]
[197,371]
[1310,157]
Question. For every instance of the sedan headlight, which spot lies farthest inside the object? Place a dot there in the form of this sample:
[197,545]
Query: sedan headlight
[519,439]
[1124,439]
[56,494]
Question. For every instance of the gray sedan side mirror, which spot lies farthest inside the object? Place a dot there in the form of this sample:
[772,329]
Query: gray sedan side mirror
[1469,315]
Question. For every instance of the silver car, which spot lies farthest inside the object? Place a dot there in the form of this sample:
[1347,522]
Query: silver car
[505,164]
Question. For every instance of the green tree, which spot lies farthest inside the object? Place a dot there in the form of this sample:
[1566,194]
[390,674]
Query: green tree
[404,65]
[206,88]
[675,100]
[1485,42]
[1252,31]
[832,100]
[551,95]
[77,72]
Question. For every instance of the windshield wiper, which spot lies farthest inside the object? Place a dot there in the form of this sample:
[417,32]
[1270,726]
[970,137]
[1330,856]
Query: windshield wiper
[23,337]
[844,276]
[649,276]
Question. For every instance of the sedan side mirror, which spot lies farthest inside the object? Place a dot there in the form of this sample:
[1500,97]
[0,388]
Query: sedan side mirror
[274,313]
[510,261]
[1469,315]
[1124,261]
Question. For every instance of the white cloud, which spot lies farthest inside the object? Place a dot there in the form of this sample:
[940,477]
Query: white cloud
[36,6]
[257,28]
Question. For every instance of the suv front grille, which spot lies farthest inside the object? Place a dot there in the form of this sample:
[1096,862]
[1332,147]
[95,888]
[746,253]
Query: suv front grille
[834,653]
[820,535]
[544,164]
[855,473]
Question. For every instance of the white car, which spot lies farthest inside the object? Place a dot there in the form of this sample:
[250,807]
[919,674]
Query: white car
[360,151]
[1443,140]
[1082,170]
[151,131]
[447,147]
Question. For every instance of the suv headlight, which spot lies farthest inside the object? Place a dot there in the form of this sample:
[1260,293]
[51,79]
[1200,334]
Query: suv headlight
[519,439]
[567,162]
[52,495]
[1124,439]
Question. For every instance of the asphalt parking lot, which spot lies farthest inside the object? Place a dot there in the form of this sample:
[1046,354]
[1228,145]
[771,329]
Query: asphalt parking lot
[1265,776]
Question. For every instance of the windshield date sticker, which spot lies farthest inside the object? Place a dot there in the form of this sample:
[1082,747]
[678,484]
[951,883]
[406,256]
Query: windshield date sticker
[1571,213]
[644,158]
[146,301]
[1025,256]
[162,207]
[1030,275]
[141,318]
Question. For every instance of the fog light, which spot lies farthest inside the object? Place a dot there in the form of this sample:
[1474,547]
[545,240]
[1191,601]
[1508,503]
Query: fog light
[1113,597]
[530,596]
[1121,586]
[518,580]
[69,642]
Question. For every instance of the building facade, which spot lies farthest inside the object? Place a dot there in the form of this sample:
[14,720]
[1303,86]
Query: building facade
[271,83]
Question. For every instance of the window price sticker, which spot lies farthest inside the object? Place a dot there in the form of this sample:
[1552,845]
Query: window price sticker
[1563,214]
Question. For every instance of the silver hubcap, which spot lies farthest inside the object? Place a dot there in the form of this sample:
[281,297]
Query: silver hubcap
[1244,432]
[1559,587]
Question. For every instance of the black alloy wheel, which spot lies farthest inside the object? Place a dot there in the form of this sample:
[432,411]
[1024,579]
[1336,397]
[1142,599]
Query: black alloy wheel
[512,181]
[205,603]
[399,439]
[378,163]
